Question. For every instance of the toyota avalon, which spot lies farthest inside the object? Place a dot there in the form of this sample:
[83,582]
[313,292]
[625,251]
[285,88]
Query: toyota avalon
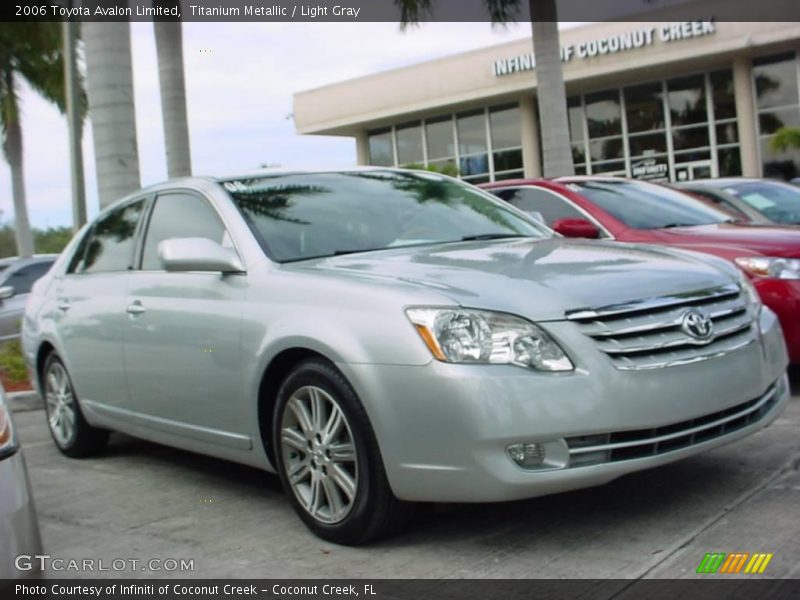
[380,337]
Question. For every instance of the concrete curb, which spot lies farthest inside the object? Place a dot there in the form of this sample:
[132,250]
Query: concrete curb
[24,401]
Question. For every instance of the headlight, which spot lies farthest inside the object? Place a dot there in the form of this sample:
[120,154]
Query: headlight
[8,441]
[481,337]
[766,266]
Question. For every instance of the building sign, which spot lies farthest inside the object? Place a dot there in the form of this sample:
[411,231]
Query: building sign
[613,44]
[650,169]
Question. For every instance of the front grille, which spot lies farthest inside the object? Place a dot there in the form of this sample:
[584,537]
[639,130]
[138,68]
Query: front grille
[650,334]
[603,448]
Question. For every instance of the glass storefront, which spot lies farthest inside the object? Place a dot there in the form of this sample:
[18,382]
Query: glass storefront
[480,145]
[673,129]
[775,79]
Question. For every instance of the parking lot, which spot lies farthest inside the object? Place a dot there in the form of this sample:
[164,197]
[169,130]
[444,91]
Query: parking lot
[144,501]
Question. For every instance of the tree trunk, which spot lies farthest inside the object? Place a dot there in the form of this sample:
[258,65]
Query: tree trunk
[550,90]
[169,47]
[69,33]
[13,149]
[109,78]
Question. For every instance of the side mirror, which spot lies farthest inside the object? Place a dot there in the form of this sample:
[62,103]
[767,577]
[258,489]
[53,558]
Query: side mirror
[198,254]
[576,228]
[6,292]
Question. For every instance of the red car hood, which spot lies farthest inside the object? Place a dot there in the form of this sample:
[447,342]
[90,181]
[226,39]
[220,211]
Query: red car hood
[763,239]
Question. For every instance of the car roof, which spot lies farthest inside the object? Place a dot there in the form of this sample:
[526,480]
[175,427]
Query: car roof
[278,171]
[723,181]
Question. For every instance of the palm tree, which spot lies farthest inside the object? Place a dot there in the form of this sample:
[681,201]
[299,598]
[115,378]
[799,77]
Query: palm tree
[29,51]
[169,46]
[109,78]
[786,138]
[550,91]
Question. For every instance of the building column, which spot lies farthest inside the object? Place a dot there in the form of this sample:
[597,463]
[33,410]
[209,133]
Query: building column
[362,148]
[529,124]
[746,115]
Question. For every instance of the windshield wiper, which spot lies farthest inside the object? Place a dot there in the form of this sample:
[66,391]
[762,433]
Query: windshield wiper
[492,236]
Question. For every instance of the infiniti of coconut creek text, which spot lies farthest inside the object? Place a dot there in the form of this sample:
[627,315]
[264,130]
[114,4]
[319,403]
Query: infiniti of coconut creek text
[291,11]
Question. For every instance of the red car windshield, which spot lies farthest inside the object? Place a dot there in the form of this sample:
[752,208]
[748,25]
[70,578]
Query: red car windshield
[648,206]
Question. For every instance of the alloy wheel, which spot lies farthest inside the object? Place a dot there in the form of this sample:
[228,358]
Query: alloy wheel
[60,404]
[319,454]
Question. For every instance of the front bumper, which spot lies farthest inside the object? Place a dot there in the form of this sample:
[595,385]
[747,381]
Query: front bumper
[19,529]
[443,429]
[783,297]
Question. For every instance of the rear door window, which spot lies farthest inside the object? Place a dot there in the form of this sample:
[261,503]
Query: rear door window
[109,245]
[548,204]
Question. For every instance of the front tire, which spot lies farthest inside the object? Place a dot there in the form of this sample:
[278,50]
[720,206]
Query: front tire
[69,429]
[328,458]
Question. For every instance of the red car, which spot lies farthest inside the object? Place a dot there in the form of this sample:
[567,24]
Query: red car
[636,211]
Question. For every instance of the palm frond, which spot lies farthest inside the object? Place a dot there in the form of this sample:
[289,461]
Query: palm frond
[41,62]
[502,11]
[786,138]
[413,11]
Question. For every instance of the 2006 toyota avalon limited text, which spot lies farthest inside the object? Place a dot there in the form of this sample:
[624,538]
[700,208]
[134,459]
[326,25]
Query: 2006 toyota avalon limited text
[380,337]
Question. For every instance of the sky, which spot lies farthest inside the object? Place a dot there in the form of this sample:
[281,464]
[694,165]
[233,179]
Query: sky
[240,78]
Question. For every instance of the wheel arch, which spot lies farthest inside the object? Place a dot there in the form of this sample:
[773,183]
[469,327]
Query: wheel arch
[46,348]
[271,379]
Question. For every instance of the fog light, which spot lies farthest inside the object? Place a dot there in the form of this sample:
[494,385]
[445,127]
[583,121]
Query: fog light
[526,455]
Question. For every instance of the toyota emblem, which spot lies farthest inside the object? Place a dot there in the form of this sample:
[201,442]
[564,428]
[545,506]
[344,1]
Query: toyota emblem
[697,325]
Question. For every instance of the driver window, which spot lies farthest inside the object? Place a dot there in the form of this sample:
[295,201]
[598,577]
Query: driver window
[180,215]
[550,206]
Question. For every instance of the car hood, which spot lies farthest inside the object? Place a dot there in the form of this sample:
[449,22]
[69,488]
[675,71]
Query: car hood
[540,279]
[768,240]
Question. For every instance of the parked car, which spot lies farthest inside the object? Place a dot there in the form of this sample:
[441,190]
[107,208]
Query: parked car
[735,207]
[16,280]
[772,201]
[641,212]
[19,529]
[380,337]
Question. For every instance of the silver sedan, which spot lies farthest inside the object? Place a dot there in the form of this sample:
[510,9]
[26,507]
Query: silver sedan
[380,337]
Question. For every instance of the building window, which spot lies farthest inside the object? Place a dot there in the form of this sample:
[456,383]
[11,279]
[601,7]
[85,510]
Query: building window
[441,142]
[683,128]
[604,125]
[506,137]
[778,102]
[686,98]
[381,152]
[472,145]
[723,105]
[409,144]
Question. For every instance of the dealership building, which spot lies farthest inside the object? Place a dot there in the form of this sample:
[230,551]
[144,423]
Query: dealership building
[662,100]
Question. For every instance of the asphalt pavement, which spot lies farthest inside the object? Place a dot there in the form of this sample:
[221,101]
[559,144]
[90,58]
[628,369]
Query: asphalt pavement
[141,501]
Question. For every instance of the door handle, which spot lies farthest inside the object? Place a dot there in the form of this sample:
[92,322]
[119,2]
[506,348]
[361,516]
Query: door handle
[62,304]
[136,308]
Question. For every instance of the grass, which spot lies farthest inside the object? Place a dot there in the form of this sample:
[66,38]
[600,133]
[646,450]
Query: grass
[12,364]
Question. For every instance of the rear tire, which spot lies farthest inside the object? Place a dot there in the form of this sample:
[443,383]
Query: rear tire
[69,429]
[328,458]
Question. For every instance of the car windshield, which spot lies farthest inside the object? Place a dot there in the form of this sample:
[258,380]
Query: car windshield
[299,216]
[777,201]
[649,206]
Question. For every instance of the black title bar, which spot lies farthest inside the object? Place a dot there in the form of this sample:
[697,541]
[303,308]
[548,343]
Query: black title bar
[390,10]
